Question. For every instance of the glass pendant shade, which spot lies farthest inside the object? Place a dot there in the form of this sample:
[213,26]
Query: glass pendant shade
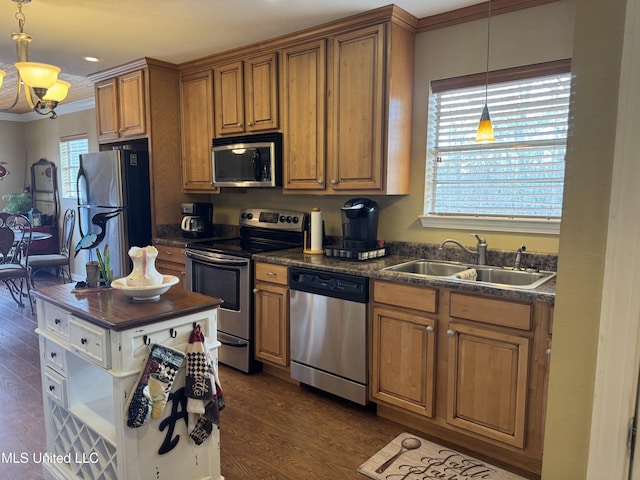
[485,128]
[2,74]
[38,75]
[58,92]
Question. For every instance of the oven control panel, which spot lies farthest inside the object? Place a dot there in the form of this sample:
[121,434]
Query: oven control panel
[272,218]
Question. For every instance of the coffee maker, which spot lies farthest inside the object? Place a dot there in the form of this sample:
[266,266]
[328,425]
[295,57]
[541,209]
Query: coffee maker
[359,231]
[197,221]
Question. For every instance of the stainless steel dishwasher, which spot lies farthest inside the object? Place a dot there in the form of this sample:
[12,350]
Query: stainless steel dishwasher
[328,314]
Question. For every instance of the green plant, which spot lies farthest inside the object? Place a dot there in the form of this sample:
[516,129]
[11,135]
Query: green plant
[105,265]
[17,202]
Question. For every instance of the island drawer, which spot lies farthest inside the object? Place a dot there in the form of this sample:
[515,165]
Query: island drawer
[90,341]
[54,356]
[493,311]
[269,272]
[56,320]
[402,295]
[55,386]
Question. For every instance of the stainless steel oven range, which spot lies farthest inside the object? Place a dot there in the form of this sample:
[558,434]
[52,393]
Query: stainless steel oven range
[223,268]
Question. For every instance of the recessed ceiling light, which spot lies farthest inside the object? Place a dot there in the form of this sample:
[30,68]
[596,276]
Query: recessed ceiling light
[92,59]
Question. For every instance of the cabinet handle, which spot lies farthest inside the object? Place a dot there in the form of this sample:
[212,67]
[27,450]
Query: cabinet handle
[83,341]
[57,321]
[429,329]
[250,124]
[548,352]
[320,182]
[334,182]
[451,333]
[239,125]
[51,388]
[271,274]
[167,252]
[255,290]
[53,354]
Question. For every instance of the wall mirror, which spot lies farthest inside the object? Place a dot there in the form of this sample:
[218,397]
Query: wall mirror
[44,191]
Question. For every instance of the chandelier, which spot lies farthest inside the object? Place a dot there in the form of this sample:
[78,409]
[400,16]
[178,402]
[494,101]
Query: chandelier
[38,78]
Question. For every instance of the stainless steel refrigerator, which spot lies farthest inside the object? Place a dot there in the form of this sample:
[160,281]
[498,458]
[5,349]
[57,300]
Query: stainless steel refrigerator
[114,204]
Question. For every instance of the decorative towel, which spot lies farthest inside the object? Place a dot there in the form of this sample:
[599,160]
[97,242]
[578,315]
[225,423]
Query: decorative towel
[150,393]
[202,388]
[469,274]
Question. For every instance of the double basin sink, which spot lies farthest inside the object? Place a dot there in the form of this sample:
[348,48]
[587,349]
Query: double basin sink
[490,275]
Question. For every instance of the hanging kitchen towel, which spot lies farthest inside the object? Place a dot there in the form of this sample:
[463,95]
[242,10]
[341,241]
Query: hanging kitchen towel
[202,388]
[150,392]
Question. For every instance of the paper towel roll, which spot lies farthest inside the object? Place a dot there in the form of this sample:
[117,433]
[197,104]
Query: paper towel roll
[316,229]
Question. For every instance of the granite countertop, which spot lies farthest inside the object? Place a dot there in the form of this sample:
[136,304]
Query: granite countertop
[112,309]
[373,269]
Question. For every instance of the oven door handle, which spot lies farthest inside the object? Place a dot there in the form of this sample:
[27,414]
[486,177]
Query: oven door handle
[230,341]
[214,261]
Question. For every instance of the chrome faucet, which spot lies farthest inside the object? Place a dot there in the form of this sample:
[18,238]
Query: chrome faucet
[481,251]
[518,262]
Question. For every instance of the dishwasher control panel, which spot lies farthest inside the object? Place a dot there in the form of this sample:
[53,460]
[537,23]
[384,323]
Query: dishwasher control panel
[329,284]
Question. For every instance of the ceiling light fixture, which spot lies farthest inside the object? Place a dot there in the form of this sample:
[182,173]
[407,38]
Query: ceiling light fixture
[485,128]
[38,78]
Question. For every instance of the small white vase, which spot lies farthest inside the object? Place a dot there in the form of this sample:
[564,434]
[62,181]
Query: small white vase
[144,267]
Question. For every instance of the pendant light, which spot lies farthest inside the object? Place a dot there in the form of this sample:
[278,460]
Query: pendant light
[37,78]
[485,128]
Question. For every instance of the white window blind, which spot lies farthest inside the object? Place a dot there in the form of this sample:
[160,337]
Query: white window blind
[70,150]
[521,175]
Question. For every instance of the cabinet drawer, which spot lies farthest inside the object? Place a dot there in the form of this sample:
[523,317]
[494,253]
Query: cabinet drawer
[55,386]
[492,311]
[90,341]
[407,296]
[54,356]
[170,254]
[56,320]
[269,272]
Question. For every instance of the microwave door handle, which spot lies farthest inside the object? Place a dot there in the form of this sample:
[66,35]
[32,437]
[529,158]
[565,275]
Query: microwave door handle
[226,263]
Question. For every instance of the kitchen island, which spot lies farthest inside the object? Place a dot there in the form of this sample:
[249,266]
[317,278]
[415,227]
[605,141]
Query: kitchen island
[93,346]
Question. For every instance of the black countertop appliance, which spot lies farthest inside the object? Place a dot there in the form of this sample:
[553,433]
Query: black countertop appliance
[197,220]
[360,224]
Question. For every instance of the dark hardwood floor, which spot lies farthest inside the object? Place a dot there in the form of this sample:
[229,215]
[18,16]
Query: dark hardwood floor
[271,429]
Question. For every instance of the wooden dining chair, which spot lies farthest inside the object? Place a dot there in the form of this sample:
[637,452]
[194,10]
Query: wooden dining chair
[15,238]
[60,261]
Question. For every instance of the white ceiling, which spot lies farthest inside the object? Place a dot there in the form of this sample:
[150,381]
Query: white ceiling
[176,31]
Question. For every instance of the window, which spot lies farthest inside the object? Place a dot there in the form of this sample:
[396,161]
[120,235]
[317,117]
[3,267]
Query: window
[515,183]
[70,150]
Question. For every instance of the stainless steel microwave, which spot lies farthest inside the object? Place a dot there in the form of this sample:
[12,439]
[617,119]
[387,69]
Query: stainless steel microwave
[247,161]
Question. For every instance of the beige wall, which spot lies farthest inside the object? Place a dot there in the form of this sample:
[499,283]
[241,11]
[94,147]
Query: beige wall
[41,140]
[529,36]
[13,159]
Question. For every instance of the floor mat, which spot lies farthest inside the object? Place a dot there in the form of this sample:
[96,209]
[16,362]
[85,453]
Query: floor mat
[408,457]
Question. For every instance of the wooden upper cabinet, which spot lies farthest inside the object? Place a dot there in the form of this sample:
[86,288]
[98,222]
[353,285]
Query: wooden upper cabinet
[356,105]
[304,115]
[120,107]
[362,143]
[246,95]
[196,131]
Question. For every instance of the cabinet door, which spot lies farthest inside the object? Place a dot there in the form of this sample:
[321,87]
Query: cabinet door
[132,104]
[107,110]
[261,93]
[403,359]
[487,382]
[356,119]
[272,323]
[304,115]
[196,131]
[229,99]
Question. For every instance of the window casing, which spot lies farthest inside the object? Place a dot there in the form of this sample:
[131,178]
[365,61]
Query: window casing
[515,183]
[70,150]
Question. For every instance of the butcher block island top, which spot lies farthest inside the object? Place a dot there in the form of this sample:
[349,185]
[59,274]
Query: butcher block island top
[112,309]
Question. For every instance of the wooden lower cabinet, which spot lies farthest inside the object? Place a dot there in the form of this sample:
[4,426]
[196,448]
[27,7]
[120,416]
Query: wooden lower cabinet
[403,368]
[170,261]
[272,314]
[468,369]
[487,382]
